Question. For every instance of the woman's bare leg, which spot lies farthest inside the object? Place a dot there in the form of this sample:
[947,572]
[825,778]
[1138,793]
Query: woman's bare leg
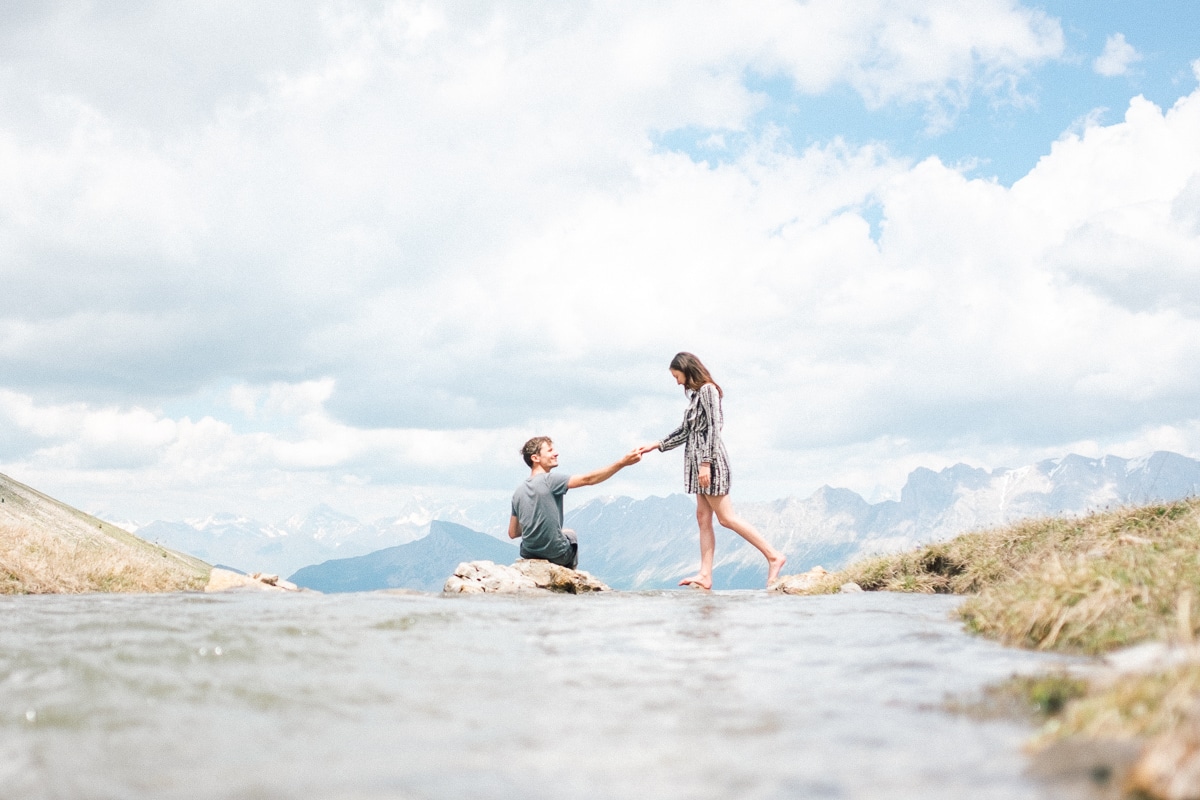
[722,506]
[708,546]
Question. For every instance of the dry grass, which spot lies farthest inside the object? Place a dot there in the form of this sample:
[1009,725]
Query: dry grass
[1083,585]
[1136,705]
[34,562]
[1133,706]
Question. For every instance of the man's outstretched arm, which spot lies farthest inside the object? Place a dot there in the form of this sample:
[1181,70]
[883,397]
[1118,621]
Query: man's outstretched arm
[601,475]
[514,528]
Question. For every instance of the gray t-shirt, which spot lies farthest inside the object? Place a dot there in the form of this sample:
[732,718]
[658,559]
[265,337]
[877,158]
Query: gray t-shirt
[537,505]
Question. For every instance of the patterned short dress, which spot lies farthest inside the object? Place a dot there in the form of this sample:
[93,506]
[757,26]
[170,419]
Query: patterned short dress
[701,433]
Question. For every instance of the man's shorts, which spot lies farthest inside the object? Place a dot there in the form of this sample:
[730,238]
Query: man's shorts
[568,559]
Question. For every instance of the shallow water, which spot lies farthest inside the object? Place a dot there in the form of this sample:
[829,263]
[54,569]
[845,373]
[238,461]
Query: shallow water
[648,695]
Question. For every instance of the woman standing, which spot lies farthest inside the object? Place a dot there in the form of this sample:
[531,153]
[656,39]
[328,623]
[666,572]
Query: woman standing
[706,469]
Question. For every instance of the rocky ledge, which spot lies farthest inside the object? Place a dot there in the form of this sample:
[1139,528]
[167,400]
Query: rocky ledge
[803,582]
[533,575]
[224,580]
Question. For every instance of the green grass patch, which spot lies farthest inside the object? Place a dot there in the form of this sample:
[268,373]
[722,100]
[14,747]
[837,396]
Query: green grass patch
[1135,706]
[1049,694]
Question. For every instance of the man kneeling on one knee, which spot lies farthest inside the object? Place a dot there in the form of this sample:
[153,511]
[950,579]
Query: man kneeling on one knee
[537,515]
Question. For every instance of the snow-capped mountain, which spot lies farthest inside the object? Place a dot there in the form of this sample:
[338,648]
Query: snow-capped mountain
[653,542]
[319,535]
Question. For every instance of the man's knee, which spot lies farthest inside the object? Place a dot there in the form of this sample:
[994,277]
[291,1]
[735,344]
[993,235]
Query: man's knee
[572,559]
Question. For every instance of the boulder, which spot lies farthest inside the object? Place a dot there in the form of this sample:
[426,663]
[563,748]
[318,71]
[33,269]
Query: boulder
[801,583]
[559,579]
[476,577]
[850,588]
[224,580]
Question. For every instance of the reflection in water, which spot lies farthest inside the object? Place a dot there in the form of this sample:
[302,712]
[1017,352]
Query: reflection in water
[657,695]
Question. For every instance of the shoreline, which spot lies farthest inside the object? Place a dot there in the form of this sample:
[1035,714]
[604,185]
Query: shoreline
[1118,586]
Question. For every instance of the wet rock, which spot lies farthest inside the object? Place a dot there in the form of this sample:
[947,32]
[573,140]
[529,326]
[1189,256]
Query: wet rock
[850,588]
[224,580]
[801,583]
[475,577]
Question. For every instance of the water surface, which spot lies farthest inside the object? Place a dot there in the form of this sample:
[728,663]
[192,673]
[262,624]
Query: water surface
[626,695]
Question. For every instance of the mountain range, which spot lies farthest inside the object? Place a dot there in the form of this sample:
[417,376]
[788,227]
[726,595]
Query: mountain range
[424,564]
[305,539]
[651,543]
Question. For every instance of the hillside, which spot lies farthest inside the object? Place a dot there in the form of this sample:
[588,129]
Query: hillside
[48,547]
[424,564]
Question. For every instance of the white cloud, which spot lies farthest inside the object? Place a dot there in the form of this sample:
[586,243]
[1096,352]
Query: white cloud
[365,150]
[1117,57]
[433,230]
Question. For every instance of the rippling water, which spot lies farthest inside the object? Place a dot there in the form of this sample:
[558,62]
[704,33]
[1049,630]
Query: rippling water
[628,695]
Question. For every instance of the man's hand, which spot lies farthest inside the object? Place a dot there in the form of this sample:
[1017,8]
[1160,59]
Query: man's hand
[600,475]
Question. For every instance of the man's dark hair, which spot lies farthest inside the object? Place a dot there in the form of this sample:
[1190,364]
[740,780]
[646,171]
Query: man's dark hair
[532,448]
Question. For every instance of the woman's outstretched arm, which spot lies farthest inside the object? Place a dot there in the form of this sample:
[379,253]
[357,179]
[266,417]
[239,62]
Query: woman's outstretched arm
[671,440]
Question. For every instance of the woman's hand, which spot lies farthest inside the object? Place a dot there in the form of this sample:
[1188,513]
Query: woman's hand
[646,448]
[705,475]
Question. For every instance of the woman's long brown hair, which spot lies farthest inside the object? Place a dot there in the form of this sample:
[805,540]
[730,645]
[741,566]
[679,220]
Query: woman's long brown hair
[695,374]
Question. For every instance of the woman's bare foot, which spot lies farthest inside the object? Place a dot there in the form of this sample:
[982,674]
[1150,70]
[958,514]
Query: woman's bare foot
[698,582]
[774,565]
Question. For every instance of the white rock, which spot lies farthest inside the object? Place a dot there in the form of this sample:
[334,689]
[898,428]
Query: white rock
[523,576]
[799,583]
[224,580]
[458,585]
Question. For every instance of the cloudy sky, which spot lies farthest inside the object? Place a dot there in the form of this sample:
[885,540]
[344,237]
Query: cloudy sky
[262,254]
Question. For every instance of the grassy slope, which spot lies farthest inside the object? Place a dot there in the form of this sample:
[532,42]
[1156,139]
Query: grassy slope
[1084,585]
[49,547]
